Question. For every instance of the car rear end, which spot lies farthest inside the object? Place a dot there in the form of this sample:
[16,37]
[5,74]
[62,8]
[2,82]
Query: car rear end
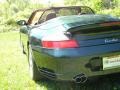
[89,50]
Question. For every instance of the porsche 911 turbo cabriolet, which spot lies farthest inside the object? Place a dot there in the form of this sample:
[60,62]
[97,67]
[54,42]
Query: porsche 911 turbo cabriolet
[71,43]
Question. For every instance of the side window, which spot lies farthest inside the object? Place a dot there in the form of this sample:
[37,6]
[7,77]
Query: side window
[35,17]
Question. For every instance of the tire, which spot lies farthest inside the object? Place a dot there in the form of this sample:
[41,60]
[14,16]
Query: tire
[34,73]
[23,50]
[22,46]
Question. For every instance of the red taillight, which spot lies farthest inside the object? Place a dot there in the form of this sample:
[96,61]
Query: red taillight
[60,44]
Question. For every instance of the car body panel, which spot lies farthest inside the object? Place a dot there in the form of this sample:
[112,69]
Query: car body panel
[65,68]
[24,37]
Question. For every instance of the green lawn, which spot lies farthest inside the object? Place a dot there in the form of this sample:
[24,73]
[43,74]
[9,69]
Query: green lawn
[14,74]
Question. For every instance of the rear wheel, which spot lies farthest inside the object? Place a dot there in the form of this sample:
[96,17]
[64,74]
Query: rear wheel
[34,73]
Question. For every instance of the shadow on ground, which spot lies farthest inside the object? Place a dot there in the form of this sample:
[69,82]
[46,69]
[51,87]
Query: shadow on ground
[109,82]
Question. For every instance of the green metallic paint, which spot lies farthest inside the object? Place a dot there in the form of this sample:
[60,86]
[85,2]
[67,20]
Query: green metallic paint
[76,20]
[70,67]
[24,32]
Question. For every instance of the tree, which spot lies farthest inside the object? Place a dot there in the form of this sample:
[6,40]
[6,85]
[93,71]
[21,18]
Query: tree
[71,2]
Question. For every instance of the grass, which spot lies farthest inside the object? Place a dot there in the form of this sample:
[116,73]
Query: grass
[14,68]
[14,74]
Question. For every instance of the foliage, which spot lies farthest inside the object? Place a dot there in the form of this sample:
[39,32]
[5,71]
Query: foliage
[71,2]
[113,12]
[14,10]
[100,6]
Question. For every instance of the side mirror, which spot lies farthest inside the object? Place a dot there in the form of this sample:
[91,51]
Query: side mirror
[22,22]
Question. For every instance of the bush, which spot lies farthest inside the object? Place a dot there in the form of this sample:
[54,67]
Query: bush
[12,11]
[114,12]
[111,7]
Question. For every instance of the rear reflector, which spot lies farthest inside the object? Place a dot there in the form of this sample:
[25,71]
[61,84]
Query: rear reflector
[110,24]
[60,44]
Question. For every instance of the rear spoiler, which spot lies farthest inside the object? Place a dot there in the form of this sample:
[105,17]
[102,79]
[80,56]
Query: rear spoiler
[117,23]
[88,27]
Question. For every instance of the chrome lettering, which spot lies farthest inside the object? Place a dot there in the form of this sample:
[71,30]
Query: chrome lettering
[111,40]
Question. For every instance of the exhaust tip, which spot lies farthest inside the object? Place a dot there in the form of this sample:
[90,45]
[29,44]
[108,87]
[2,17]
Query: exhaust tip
[81,78]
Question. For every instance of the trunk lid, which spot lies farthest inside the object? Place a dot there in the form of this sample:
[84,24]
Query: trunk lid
[96,34]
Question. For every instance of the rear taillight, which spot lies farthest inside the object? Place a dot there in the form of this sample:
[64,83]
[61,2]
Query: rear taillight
[60,44]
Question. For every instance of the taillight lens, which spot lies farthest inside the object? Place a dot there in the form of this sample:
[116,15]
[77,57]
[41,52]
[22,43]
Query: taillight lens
[60,44]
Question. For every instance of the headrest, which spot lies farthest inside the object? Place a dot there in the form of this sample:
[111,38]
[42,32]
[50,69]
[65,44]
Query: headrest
[50,16]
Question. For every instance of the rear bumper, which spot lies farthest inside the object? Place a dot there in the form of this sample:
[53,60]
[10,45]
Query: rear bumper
[67,67]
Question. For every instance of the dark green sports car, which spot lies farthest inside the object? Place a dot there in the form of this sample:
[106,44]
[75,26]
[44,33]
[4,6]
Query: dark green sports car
[71,43]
